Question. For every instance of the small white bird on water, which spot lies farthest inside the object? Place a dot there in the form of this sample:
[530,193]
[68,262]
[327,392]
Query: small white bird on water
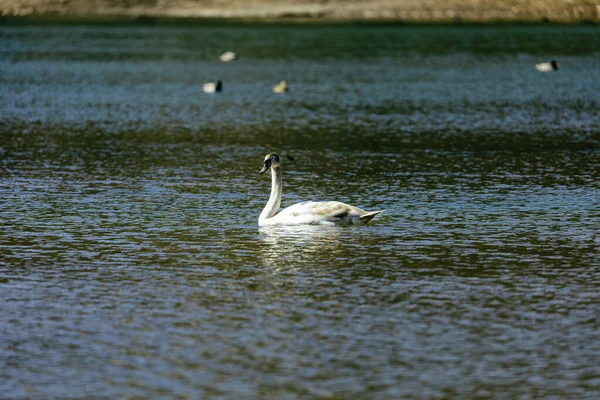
[212,87]
[281,87]
[227,56]
[548,66]
[308,212]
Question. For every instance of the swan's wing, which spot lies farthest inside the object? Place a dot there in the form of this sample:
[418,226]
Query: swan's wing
[328,209]
[316,212]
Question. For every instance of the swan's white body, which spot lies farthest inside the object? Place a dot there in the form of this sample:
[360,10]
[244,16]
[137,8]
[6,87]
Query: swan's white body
[307,212]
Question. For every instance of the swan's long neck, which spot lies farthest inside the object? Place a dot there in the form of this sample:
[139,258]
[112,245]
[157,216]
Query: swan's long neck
[274,202]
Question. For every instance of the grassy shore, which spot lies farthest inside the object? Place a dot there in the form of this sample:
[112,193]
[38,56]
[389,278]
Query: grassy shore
[409,11]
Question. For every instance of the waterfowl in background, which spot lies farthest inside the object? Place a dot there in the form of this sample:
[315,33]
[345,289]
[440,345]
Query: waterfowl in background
[281,87]
[308,212]
[227,56]
[548,66]
[212,87]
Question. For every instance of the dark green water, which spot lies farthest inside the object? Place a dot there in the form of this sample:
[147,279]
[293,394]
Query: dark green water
[132,266]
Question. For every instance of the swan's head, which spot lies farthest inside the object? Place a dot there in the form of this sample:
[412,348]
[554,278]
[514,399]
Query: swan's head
[271,161]
[555,64]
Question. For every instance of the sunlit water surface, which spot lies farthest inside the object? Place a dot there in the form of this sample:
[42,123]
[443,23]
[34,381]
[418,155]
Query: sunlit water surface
[131,263]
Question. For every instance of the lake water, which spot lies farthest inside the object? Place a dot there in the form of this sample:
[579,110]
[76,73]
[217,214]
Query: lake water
[132,266]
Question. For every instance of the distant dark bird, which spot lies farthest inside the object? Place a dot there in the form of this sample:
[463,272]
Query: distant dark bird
[212,87]
[227,56]
[281,87]
[548,66]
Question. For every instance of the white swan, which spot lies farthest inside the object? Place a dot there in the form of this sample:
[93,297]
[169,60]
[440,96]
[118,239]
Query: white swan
[308,212]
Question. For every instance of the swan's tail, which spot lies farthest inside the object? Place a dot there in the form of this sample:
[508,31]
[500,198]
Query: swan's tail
[365,218]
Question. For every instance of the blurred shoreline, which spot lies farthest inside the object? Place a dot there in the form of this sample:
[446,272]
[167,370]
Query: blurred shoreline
[310,11]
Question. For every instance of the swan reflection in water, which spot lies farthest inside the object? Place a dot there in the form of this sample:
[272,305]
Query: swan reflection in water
[285,247]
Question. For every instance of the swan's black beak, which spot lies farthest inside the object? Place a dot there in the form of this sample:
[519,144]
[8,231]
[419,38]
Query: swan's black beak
[266,166]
